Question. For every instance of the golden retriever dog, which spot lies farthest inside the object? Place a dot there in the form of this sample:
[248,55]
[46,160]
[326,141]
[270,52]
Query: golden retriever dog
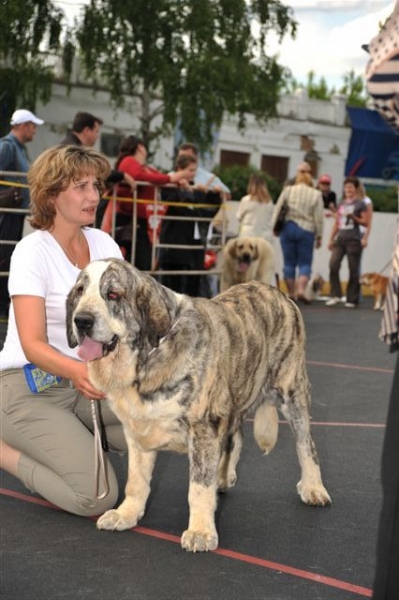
[247,259]
[378,285]
[182,374]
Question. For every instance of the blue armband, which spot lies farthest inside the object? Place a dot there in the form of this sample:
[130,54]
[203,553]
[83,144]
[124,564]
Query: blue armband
[38,380]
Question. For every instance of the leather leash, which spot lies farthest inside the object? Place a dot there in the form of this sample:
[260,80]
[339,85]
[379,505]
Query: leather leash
[100,472]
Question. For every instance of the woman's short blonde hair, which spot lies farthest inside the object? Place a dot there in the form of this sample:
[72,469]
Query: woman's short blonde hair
[53,171]
[304,177]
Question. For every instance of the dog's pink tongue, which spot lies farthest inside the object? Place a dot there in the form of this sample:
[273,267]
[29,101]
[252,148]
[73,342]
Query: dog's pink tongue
[242,267]
[89,349]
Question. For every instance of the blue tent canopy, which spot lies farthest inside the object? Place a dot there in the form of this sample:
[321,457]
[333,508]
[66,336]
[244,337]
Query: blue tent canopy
[373,148]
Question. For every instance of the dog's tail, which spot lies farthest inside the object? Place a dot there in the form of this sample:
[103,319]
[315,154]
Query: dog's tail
[266,427]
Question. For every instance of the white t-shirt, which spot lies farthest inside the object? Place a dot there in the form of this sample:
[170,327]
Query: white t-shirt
[255,218]
[39,267]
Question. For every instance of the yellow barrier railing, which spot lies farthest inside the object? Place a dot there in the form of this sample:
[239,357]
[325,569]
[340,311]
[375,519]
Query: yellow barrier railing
[135,201]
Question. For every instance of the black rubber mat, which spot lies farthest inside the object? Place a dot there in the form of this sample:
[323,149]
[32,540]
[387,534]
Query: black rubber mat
[271,546]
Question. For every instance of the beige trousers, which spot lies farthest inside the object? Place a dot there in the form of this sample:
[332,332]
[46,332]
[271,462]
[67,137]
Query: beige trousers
[54,432]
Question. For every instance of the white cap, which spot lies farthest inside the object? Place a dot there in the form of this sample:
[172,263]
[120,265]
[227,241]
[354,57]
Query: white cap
[25,116]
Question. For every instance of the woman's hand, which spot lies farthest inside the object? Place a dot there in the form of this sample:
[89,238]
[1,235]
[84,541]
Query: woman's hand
[81,382]
[178,175]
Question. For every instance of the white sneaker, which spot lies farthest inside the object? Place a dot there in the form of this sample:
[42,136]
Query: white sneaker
[333,301]
[349,305]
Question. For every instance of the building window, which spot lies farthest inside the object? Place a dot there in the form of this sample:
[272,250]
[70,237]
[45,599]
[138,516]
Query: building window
[109,144]
[276,167]
[229,158]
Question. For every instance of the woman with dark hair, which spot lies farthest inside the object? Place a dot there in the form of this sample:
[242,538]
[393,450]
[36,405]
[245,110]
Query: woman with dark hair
[346,240]
[132,160]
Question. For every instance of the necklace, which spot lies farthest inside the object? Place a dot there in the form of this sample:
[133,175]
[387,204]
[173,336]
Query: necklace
[73,260]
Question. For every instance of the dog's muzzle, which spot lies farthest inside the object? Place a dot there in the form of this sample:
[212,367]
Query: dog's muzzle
[84,323]
[90,349]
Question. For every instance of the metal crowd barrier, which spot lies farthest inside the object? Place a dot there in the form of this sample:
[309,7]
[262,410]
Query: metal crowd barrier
[157,215]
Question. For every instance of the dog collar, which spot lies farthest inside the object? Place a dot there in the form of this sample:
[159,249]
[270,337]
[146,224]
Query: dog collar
[161,341]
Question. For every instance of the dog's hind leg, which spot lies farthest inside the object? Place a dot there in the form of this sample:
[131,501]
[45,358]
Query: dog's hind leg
[266,427]
[227,475]
[295,410]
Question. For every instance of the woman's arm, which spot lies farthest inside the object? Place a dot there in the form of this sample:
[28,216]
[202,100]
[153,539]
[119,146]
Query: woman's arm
[33,338]
[369,215]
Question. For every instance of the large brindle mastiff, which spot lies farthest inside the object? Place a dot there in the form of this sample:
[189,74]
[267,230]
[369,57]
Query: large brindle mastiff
[183,373]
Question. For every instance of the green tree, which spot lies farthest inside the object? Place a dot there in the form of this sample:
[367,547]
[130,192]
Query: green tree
[352,87]
[188,63]
[31,33]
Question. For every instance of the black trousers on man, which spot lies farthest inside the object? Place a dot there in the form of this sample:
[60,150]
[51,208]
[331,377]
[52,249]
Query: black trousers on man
[11,228]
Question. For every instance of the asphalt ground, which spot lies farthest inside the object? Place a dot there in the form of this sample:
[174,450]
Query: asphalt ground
[271,546]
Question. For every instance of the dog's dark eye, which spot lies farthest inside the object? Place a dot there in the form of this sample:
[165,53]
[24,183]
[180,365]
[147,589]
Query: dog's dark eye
[79,290]
[113,295]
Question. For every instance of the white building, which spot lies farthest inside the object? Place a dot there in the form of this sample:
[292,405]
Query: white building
[306,129]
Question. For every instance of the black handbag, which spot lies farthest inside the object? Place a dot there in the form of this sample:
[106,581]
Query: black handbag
[281,219]
[10,198]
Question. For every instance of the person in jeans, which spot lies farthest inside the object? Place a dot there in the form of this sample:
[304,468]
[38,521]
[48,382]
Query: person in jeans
[47,430]
[301,233]
[346,240]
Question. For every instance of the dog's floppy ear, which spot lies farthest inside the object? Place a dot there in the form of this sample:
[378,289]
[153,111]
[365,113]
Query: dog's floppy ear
[71,303]
[156,306]
[256,251]
[231,248]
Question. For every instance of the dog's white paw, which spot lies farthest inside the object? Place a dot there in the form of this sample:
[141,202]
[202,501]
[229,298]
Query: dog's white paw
[199,541]
[114,520]
[313,495]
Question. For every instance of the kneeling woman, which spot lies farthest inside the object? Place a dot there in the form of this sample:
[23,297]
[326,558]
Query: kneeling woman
[47,440]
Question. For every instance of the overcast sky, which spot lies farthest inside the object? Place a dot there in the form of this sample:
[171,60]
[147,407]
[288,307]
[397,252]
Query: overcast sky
[330,36]
[329,39]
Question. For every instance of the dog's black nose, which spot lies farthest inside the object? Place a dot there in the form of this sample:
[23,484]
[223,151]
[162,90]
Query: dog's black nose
[84,322]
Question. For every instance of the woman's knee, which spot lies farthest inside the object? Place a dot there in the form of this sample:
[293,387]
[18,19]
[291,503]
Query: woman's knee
[91,506]
[76,495]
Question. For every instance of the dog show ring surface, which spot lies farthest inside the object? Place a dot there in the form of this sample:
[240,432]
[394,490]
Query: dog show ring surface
[271,545]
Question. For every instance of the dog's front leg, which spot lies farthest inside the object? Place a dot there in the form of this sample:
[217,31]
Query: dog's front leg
[204,456]
[137,490]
